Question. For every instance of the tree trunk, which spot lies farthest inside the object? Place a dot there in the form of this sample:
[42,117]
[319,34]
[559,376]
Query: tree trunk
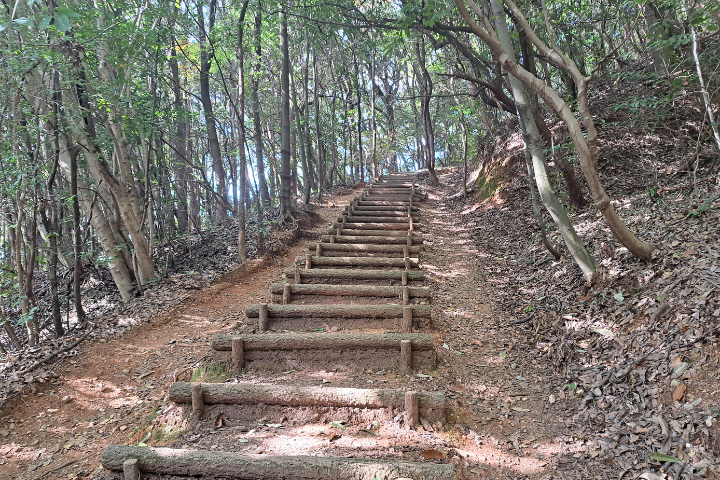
[242,174]
[534,145]
[179,146]
[426,88]
[318,132]
[8,327]
[213,141]
[574,188]
[77,244]
[301,144]
[361,165]
[587,148]
[255,86]
[285,197]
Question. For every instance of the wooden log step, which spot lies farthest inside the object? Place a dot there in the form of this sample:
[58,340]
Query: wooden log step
[349,274]
[402,209]
[393,188]
[293,396]
[393,191]
[367,219]
[239,466]
[374,226]
[324,341]
[385,203]
[377,197]
[356,290]
[337,311]
[416,238]
[400,213]
[396,183]
[358,262]
[364,248]
[384,240]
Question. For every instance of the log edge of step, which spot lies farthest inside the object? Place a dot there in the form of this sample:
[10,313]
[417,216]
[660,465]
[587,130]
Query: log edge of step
[337,311]
[353,274]
[210,464]
[297,396]
[323,341]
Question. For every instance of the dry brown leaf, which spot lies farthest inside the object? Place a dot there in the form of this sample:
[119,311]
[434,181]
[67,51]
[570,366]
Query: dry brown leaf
[679,392]
[219,420]
[433,454]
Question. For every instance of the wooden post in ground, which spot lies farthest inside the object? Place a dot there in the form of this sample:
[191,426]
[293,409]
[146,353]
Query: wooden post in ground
[404,278]
[238,353]
[405,356]
[286,294]
[131,469]
[406,254]
[318,250]
[308,261]
[406,326]
[412,411]
[298,279]
[263,317]
[198,404]
[332,238]
[406,296]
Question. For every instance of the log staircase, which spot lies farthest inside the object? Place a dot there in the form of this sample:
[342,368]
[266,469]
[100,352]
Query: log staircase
[370,258]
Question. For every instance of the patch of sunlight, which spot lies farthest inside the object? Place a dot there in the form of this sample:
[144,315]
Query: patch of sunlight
[127,322]
[494,359]
[87,392]
[436,272]
[306,445]
[478,387]
[534,460]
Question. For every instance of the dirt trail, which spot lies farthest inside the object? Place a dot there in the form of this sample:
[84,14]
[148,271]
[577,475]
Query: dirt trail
[504,425]
[107,393]
[500,422]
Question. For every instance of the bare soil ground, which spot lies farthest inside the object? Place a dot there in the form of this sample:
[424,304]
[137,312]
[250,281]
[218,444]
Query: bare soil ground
[113,388]
[546,377]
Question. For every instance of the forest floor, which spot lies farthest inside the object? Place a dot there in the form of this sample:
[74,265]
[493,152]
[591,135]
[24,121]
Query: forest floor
[111,387]
[547,377]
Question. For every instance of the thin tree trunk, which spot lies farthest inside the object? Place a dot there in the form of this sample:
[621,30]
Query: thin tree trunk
[242,174]
[361,160]
[372,111]
[318,132]
[301,144]
[586,147]
[8,327]
[255,86]
[213,141]
[536,207]
[285,206]
[426,89]
[703,89]
[77,244]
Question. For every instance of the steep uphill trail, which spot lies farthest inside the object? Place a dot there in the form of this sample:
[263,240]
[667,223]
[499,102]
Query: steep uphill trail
[113,389]
[302,400]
